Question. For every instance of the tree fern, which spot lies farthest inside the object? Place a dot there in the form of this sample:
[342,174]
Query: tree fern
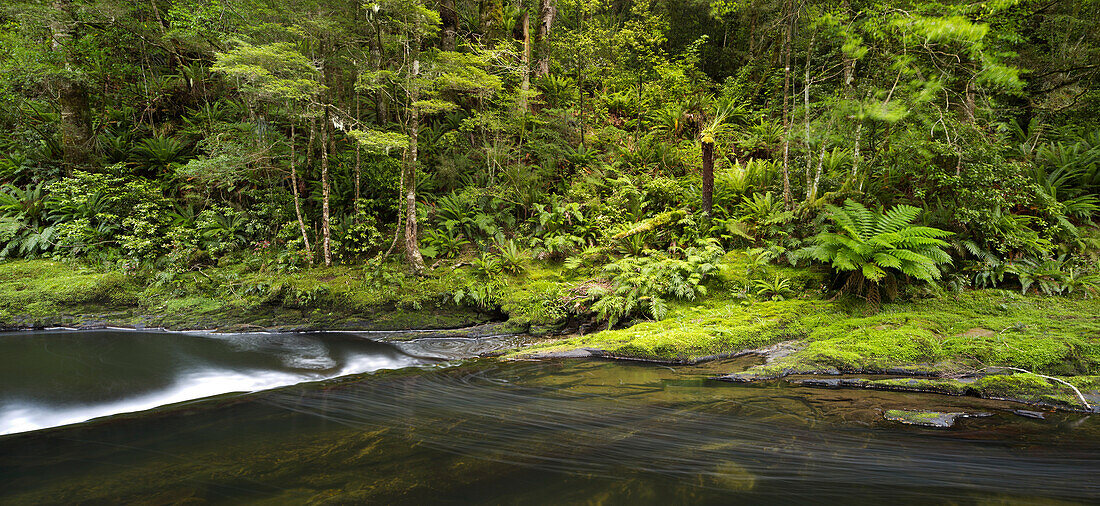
[869,249]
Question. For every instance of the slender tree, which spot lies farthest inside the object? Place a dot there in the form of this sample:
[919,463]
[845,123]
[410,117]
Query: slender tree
[76,124]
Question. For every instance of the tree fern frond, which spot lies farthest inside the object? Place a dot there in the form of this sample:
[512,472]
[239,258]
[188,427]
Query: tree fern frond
[897,219]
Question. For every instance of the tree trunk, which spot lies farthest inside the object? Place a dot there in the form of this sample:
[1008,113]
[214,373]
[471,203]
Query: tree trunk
[412,243]
[492,15]
[786,107]
[546,21]
[358,161]
[580,77]
[76,124]
[297,202]
[806,109]
[707,148]
[325,222]
[309,145]
[381,98]
[812,193]
[855,151]
[449,16]
[525,82]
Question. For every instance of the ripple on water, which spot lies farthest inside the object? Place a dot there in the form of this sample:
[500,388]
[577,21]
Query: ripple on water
[557,432]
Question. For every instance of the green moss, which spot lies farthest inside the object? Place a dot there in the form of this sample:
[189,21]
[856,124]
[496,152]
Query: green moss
[958,333]
[945,386]
[916,416]
[714,326]
[45,293]
[953,334]
[1021,387]
[40,288]
[922,418]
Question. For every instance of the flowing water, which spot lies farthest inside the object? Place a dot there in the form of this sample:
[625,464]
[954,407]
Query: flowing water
[432,429]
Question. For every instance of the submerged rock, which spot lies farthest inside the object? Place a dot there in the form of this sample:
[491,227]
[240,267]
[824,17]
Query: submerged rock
[731,476]
[1030,414]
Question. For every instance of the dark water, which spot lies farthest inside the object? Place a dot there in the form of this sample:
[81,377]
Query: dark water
[548,433]
[60,377]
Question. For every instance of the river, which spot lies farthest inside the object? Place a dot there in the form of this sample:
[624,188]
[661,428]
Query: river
[342,418]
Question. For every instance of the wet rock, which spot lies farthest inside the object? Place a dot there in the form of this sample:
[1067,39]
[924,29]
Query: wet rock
[778,351]
[575,353]
[923,418]
[746,377]
[1030,414]
[926,371]
[831,382]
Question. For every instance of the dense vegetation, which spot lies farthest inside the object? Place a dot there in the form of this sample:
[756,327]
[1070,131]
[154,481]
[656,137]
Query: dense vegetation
[627,146]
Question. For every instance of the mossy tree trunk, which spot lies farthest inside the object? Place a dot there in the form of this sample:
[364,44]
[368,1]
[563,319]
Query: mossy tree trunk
[449,16]
[412,244]
[546,21]
[524,35]
[326,229]
[76,124]
[297,199]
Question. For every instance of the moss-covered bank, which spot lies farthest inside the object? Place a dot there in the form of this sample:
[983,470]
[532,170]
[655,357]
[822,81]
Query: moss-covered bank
[952,340]
[40,293]
[955,342]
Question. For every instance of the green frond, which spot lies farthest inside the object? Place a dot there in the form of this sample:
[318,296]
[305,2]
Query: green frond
[873,272]
[887,260]
[897,219]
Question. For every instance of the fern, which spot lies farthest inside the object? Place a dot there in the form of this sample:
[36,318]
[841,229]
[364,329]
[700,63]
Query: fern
[642,284]
[870,249]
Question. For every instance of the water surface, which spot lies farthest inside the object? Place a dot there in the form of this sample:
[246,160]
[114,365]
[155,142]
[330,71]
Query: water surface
[563,432]
[60,377]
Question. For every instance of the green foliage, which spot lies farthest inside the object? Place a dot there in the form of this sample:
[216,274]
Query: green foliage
[777,288]
[443,241]
[1054,276]
[158,153]
[870,247]
[640,285]
[275,71]
[511,258]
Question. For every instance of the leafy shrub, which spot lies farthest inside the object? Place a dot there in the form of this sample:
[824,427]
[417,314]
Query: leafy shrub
[488,266]
[94,209]
[640,285]
[1054,276]
[443,241]
[777,288]
[359,235]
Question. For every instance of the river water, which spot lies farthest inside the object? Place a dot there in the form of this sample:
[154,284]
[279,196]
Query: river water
[339,418]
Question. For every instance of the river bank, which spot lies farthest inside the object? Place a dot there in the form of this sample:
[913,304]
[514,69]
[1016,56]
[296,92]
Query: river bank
[993,344]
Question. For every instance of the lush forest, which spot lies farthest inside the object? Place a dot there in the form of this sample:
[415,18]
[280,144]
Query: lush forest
[632,143]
